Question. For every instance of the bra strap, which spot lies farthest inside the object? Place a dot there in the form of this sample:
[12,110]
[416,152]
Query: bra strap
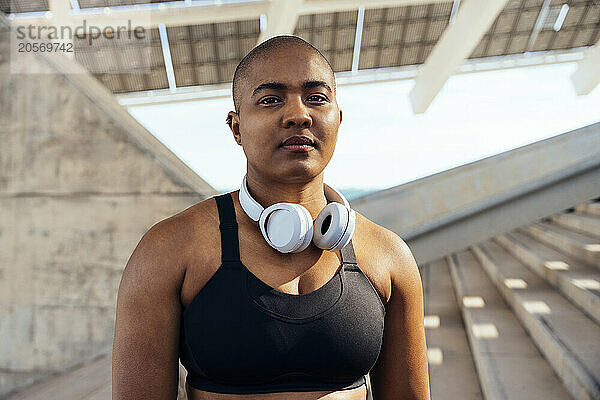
[230,246]
[347,253]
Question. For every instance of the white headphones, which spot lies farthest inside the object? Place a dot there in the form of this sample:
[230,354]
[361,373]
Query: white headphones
[288,227]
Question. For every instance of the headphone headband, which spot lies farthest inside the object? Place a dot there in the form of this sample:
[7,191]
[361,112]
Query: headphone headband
[254,210]
[249,205]
[340,197]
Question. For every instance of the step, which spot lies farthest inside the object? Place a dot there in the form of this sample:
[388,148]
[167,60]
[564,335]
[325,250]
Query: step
[105,394]
[91,381]
[451,369]
[575,280]
[497,339]
[577,245]
[567,337]
[589,208]
[586,224]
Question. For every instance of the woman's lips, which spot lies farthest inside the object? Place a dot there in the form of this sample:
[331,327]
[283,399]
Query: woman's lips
[297,148]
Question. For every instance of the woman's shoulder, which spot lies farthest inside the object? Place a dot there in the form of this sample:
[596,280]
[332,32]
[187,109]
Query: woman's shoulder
[186,232]
[198,216]
[200,221]
[385,253]
[379,239]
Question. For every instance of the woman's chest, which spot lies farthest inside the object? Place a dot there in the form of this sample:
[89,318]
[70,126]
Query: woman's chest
[287,273]
[240,327]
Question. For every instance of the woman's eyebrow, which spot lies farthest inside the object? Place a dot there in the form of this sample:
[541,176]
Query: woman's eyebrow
[281,86]
[269,85]
[314,84]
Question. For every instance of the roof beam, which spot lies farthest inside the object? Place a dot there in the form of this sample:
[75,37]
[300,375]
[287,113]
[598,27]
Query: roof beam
[473,19]
[59,9]
[323,6]
[360,19]
[178,13]
[538,23]
[587,75]
[281,18]
[166,49]
[152,17]
[58,16]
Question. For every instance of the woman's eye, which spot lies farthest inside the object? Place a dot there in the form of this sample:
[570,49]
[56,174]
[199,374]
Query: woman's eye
[268,100]
[317,98]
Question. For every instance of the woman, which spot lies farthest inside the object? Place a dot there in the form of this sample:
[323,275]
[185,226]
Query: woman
[250,317]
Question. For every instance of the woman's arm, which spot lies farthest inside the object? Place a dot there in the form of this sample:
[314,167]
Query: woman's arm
[145,359]
[401,371]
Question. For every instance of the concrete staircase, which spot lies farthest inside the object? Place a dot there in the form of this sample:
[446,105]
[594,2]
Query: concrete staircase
[513,317]
[91,381]
[530,306]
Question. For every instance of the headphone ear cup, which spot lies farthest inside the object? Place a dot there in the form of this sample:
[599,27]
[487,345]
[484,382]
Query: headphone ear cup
[284,227]
[347,236]
[331,227]
[307,229]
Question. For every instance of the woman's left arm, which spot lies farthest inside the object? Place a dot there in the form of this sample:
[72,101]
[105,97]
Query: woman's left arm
[401,371]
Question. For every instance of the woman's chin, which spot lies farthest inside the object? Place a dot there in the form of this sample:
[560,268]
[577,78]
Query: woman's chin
[296,172]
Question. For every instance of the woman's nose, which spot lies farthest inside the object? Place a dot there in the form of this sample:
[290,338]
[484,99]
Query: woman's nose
[296,114]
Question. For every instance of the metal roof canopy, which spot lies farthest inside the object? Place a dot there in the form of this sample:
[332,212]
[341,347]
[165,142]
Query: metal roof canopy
[206,41]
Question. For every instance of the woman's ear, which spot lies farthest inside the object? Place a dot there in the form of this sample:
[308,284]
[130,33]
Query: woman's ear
[233,120]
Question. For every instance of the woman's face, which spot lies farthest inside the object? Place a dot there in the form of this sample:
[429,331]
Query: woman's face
[287,93]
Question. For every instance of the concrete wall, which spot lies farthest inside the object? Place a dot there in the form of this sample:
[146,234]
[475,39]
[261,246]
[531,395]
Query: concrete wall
[80,183]
[408,207]
[453,209]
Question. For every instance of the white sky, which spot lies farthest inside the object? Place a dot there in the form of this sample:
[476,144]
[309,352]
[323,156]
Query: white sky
[381,143]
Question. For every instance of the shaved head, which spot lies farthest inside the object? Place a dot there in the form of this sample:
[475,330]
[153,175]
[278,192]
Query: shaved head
[275,44]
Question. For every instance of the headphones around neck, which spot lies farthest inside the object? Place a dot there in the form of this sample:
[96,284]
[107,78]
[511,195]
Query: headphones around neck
[289,228]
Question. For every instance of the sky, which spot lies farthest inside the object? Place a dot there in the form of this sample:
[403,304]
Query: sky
[381,142]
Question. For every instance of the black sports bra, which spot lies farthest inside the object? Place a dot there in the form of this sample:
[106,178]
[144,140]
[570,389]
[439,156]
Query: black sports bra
[239,335]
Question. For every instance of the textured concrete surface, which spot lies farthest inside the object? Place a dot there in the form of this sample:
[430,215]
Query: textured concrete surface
[576,221]
[82,383]
[584,247]
[498,341]
[589,209]
[91,381]
[451,368]
[566,336]
[575,280]
[80,183]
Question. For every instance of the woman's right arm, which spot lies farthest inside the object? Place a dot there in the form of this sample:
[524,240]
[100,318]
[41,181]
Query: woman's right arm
[145,359]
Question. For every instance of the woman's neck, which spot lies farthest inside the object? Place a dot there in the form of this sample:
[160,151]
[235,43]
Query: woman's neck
[308,194]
